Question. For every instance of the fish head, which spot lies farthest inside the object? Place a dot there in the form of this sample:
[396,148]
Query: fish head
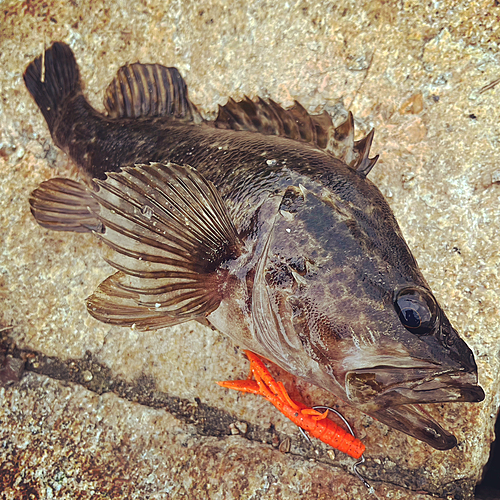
[343,304]
[409,354]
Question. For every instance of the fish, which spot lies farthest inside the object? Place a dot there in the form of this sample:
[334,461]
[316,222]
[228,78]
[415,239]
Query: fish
[262,224]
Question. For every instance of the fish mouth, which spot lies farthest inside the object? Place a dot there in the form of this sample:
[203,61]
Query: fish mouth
[392,395]
[392,386]
[453,386]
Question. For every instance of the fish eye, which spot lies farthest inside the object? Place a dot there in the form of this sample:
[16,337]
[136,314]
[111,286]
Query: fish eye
[416,310]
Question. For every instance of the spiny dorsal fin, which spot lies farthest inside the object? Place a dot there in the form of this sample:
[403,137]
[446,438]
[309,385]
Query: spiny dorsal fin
[289,125]
[307,129]
[341,143]
[65,205]
[269,118]
[364,164]
[341,140]
[149,90]
[169,232]
[323,123]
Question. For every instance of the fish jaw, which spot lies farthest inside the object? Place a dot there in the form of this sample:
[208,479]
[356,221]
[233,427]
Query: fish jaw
[392,386]
[414,421]
[438,368]
[392,396]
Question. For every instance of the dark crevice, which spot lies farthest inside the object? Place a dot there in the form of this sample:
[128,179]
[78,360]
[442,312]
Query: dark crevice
[208,420]
[98,378]
[489,487]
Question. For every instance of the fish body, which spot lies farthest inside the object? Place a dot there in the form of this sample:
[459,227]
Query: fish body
[261,223]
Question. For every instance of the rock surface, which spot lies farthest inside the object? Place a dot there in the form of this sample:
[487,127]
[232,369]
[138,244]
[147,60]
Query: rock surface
[106,412]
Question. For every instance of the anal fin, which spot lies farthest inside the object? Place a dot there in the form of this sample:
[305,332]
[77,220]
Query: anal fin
[63,204]
[169,232]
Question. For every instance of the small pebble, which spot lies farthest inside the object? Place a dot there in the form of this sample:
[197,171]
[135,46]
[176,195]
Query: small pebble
[285,445]
[242,427]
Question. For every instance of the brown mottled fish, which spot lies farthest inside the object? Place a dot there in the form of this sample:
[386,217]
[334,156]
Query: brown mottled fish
[261,223]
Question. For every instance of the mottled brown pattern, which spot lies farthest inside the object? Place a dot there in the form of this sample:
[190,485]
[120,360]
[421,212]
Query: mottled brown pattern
[302,201]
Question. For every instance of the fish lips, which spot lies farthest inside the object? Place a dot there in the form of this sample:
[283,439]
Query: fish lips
[392,386]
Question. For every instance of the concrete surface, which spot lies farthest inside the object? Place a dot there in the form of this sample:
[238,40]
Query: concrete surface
[106,412]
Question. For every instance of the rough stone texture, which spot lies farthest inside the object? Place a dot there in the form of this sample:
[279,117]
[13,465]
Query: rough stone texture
[422,74]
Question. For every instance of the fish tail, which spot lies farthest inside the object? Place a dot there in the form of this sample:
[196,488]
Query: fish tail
[52,79]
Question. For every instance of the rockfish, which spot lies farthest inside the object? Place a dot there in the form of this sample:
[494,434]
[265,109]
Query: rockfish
[262,224]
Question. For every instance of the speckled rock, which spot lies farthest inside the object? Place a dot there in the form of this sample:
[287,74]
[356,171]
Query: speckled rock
[425,76]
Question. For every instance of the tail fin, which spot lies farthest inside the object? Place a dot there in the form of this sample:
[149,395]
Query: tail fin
[59,80]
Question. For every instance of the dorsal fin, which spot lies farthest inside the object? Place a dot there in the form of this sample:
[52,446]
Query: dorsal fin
[364,164]
[290,127]
[149,90]
[322,123]
[269,118]
[307,129]
[341,140]
[355,153]
[169,231]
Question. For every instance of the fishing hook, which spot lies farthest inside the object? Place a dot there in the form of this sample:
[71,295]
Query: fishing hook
[361,461]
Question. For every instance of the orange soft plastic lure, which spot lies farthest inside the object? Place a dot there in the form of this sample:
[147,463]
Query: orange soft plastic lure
[315,423]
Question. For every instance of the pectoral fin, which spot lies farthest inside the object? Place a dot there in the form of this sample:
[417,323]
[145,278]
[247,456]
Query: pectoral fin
[169,232]
[146,304]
